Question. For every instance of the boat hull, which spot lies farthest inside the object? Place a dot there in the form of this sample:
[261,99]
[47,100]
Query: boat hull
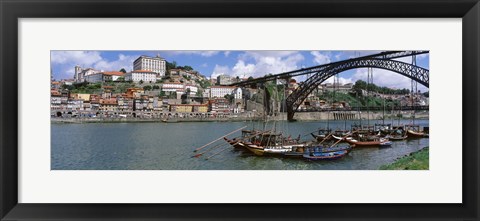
[412,133]
[254,149]
[367,143]
[325,156]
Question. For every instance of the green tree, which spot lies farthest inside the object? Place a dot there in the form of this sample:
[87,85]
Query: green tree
[229,97]
[172,65]
[156,87]
[147,88]
[360,85]
[140,82]
[123,70]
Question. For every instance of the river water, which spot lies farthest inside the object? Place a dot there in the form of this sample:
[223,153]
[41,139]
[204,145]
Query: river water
[169,146]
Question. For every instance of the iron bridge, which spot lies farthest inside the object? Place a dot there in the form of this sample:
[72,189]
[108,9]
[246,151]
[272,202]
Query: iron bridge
[383,60]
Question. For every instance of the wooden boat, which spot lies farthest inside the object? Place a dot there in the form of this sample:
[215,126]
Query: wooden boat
[236,143]
[414,131]
[255,149]
[293,154]
[398,133]
[297,151]
[282,149]
[325,155]
[386,144]
[372,143]
[338,137]
[397,137]
[322,134]
[416,134]
[328,148]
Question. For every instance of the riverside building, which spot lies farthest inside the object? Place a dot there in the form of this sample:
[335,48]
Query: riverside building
[154,64]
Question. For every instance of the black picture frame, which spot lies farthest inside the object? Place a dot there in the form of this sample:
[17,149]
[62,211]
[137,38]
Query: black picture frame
[12,10]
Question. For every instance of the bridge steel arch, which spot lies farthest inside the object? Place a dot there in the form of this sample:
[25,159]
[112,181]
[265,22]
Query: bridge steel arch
[418,74]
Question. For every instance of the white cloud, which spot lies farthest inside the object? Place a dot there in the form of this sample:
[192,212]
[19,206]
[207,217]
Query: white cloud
[260,63]
[226,53]
[64,62]
[204,65]
[80,57]
[387,79]
[341,80]
[220,70]
[320,58]
[241,69]
[122,62]
[337,57]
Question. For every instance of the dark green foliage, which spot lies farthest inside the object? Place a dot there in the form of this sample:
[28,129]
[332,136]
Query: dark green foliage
[147,88]
[362,85]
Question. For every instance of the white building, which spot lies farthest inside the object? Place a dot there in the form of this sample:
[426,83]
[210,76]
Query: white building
[193,89]
[155,64]
[94,78]
[206,92]
[141,75]
[80,73]
[112,75]
[104,76]
[237,93]
[173,87]
[220,91]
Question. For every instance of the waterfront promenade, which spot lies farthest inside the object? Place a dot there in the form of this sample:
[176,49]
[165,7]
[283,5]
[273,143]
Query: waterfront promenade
[250,116]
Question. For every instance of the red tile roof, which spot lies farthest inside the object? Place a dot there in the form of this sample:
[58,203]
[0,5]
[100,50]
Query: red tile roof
[116,73]
[108,101]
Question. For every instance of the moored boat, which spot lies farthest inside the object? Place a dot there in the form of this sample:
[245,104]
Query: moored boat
[255,149]
[325,155]
[397,137]
[371,143]
[416,134]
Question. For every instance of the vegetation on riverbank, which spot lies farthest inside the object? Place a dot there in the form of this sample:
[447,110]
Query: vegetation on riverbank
[418,160]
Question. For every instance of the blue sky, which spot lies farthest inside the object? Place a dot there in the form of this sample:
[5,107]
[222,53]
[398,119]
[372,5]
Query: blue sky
[235,63]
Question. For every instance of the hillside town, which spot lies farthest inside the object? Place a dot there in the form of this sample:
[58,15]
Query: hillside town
[156,88]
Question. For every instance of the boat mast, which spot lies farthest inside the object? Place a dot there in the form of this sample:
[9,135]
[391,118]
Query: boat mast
[383,114]
[369,80]
[414,89]
[393,104]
